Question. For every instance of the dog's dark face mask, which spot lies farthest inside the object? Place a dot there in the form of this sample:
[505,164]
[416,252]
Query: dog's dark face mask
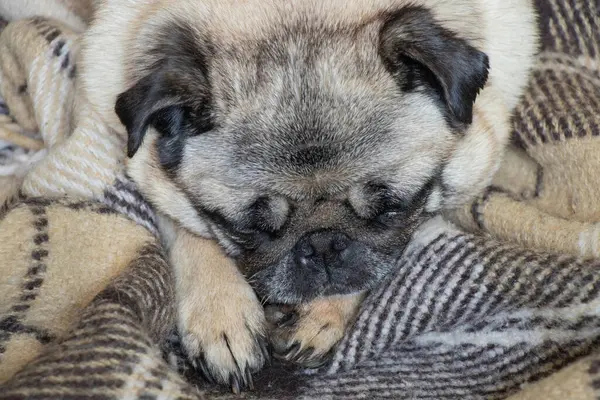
[313,155]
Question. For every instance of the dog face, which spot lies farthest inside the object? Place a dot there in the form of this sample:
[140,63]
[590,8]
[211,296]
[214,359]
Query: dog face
[311,151]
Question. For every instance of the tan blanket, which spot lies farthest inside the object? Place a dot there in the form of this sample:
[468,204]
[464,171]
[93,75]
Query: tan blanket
[504,302]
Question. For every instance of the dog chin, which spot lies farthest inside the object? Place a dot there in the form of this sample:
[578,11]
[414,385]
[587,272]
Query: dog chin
[284,284]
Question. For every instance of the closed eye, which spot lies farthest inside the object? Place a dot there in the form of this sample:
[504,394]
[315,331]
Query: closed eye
[268,214]
[385,204]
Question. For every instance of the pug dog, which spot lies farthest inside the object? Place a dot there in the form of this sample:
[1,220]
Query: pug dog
[292,147]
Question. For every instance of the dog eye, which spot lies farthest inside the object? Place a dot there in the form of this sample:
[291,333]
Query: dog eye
[392,214]
[385,202]
[268,214]
[390,217]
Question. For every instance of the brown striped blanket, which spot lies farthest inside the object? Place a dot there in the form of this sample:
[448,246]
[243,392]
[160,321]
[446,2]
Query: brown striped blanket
[498,300]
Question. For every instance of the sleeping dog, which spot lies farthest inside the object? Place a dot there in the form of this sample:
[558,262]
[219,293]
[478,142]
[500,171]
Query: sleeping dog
[292,147]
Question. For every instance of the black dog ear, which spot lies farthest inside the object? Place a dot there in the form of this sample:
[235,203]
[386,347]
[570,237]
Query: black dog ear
[147,102]
[412,34]
[174,96]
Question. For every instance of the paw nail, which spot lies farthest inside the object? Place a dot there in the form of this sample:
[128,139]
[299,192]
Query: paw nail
[320,361]
[293,349]
[249,380]
[316,363]
[235,384]
[201,364]
[305,354]
[265,351]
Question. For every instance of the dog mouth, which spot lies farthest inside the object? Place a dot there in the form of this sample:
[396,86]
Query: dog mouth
[285,283]
[320,263]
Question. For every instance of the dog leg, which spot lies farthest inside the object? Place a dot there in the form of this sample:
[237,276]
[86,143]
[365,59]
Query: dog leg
[221,321]
[307,334]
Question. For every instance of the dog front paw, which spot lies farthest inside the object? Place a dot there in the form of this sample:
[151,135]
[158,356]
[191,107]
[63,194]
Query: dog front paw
[224,336]
[305,335]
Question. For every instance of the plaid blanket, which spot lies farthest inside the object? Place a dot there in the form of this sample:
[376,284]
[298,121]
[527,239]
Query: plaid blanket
[500,299]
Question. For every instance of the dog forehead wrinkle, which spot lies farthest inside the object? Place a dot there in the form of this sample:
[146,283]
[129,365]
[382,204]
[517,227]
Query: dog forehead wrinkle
[291,53]
[361,122]
[315,128]
[297,151]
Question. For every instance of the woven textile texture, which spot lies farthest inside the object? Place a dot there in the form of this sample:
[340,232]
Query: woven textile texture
[498,300]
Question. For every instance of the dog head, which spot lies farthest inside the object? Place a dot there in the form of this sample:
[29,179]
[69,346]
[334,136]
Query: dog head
[311,147]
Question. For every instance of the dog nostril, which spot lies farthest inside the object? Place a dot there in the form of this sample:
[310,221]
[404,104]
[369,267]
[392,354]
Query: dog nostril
[340,242]
[306,249]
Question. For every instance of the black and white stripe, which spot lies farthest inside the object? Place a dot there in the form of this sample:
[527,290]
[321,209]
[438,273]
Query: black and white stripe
[124,197]
[466,317]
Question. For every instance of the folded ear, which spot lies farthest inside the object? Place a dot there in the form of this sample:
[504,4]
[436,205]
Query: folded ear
[412,36]
[143,105]
[173,96]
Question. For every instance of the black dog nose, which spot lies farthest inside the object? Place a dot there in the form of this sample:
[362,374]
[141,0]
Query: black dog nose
[320,246]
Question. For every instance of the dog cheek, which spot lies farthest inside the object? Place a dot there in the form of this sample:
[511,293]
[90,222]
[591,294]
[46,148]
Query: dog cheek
[273,285]
[228,245]
[365,268]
